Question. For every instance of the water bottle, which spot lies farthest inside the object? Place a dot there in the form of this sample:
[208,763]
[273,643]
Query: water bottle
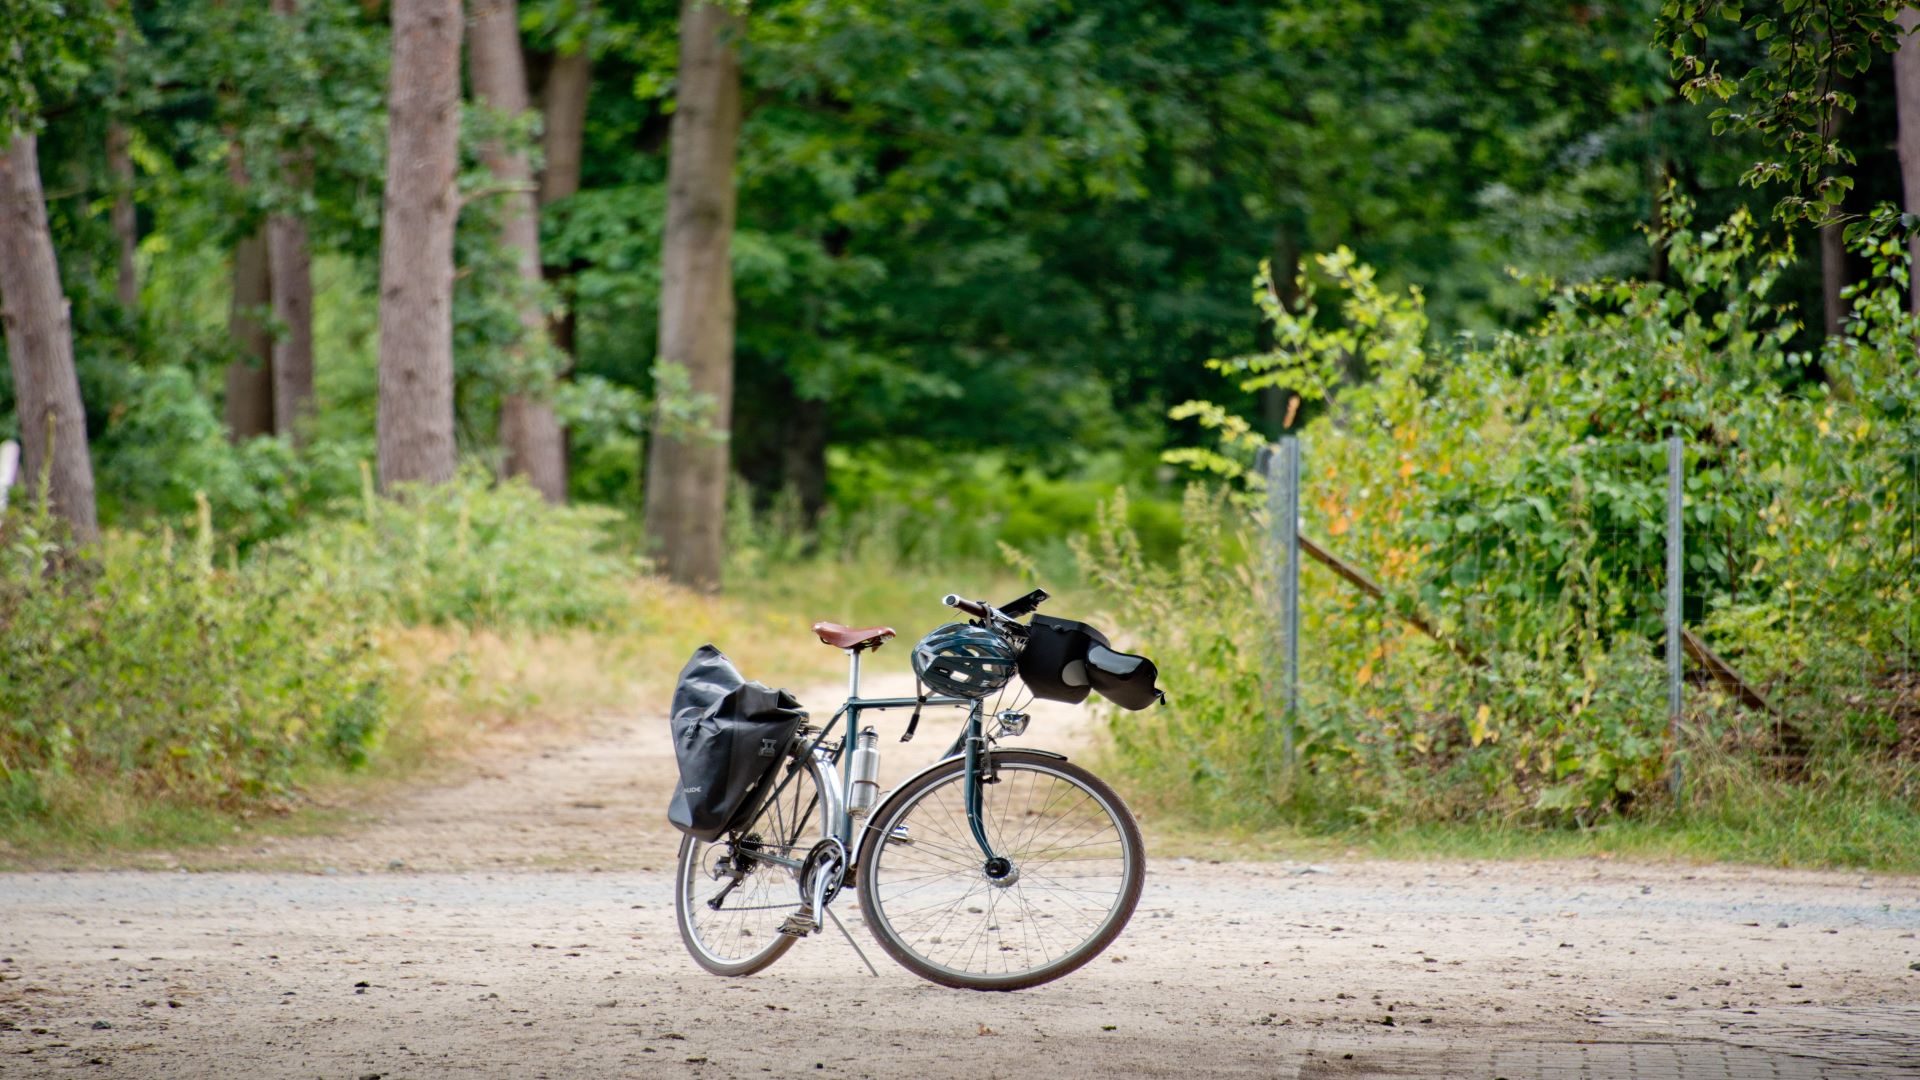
[866,774]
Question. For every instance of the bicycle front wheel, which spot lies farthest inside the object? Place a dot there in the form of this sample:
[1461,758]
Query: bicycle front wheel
[1076,866]
[731,895]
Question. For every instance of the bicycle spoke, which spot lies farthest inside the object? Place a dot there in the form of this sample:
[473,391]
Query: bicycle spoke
[1074,874]
[742,934]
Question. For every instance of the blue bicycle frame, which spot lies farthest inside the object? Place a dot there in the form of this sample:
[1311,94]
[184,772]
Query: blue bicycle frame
[836,821]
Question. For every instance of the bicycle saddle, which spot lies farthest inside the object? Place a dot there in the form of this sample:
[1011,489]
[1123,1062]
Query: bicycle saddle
[846,637]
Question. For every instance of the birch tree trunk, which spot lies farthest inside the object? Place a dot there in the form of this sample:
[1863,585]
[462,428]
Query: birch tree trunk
[250,375]
[53,425]
[529,431]
[1906,92]
[687,468]
[415,415]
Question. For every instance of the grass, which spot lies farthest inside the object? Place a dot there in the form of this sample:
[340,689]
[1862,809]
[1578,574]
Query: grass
[1854,812]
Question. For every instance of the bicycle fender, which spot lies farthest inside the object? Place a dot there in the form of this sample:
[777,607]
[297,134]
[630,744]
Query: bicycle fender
[957,757]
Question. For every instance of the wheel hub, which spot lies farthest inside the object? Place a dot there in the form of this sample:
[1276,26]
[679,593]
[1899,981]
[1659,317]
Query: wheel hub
[738,860]
[1000,872]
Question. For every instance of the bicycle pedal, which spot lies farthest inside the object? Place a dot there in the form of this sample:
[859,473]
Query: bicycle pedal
[800,924]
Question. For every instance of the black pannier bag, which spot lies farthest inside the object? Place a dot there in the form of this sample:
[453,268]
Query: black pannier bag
[1064,660]
[730,736]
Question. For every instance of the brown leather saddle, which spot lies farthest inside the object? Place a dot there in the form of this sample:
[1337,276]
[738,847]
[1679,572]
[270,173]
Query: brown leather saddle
[847,637]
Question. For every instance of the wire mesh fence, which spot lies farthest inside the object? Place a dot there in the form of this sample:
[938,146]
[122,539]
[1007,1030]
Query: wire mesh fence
[1593,631]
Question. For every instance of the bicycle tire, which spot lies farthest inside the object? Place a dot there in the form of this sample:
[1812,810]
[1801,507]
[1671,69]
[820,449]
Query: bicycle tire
[933,877]
[752,911]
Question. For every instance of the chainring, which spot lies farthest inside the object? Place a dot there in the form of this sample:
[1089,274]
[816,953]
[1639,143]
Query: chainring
[829,857]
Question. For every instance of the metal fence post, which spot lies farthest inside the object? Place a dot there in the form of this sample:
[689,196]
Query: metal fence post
[1675,592]
[9,468]
[1283,514]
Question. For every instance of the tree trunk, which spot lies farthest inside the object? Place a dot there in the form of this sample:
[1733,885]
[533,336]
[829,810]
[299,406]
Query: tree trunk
[250,375]
[125,225]
[568,84]
[53,425]
[1906,91]
[806,459]
[687,467]
[529,431]
[291,278]
[1833,276]
[415,416]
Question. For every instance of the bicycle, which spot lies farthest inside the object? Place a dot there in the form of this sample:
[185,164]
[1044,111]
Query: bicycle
[993,869]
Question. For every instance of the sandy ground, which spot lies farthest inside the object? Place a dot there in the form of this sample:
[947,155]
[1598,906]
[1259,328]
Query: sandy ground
[518,922]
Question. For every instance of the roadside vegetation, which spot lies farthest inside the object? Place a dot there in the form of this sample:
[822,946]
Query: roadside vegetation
[695,322]
[1509,496]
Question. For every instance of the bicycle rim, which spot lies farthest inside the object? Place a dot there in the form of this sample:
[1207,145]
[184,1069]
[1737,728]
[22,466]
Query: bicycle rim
[761,863]
[1078,865]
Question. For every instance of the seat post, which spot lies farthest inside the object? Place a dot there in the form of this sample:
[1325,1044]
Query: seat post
[853,673]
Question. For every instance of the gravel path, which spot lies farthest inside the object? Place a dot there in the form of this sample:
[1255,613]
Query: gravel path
[519,923]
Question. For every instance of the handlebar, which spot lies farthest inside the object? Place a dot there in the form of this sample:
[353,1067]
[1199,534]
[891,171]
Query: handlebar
[972,607]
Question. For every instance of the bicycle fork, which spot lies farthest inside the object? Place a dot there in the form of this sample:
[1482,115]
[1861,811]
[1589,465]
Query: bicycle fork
[979,773]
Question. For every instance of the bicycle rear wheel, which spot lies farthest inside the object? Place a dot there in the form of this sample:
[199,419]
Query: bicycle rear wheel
[731,895]
[1077,867]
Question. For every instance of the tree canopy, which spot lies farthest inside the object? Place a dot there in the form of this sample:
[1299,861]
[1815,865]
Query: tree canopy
[1002,231]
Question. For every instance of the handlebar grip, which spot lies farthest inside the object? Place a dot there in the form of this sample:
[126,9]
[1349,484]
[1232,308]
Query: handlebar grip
[972,607]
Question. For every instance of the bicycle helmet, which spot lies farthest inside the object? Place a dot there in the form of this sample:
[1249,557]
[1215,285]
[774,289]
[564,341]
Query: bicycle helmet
[964,661]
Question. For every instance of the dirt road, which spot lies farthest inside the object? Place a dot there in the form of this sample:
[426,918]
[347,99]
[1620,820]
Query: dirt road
[519,923]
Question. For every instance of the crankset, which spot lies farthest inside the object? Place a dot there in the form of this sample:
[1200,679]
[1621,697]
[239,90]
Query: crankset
[821,877]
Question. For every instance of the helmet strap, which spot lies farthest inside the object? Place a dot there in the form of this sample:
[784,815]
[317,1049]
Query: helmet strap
[920,702]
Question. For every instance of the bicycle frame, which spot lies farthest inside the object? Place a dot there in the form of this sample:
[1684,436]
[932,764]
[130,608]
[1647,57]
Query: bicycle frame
[833,768]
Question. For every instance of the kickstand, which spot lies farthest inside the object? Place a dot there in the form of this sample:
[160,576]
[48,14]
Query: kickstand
[850,941]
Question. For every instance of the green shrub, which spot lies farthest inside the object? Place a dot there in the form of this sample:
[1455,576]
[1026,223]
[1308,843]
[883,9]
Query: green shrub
[470,552]
[151,671]
[969,513]
[157,672]
[1511,493]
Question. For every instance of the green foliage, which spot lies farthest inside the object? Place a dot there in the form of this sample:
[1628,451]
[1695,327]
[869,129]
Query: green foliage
[167,449]
[1211,748]
[1795,94]
[470,553]
[46,48]
[253,112]
[978,244]
[1512,496]
[943,510]
[158,672]
[174,671]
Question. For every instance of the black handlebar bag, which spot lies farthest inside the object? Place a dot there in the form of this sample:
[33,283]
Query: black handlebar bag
[730,736]
[1054,662]
[1125,679]
[1064,660]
